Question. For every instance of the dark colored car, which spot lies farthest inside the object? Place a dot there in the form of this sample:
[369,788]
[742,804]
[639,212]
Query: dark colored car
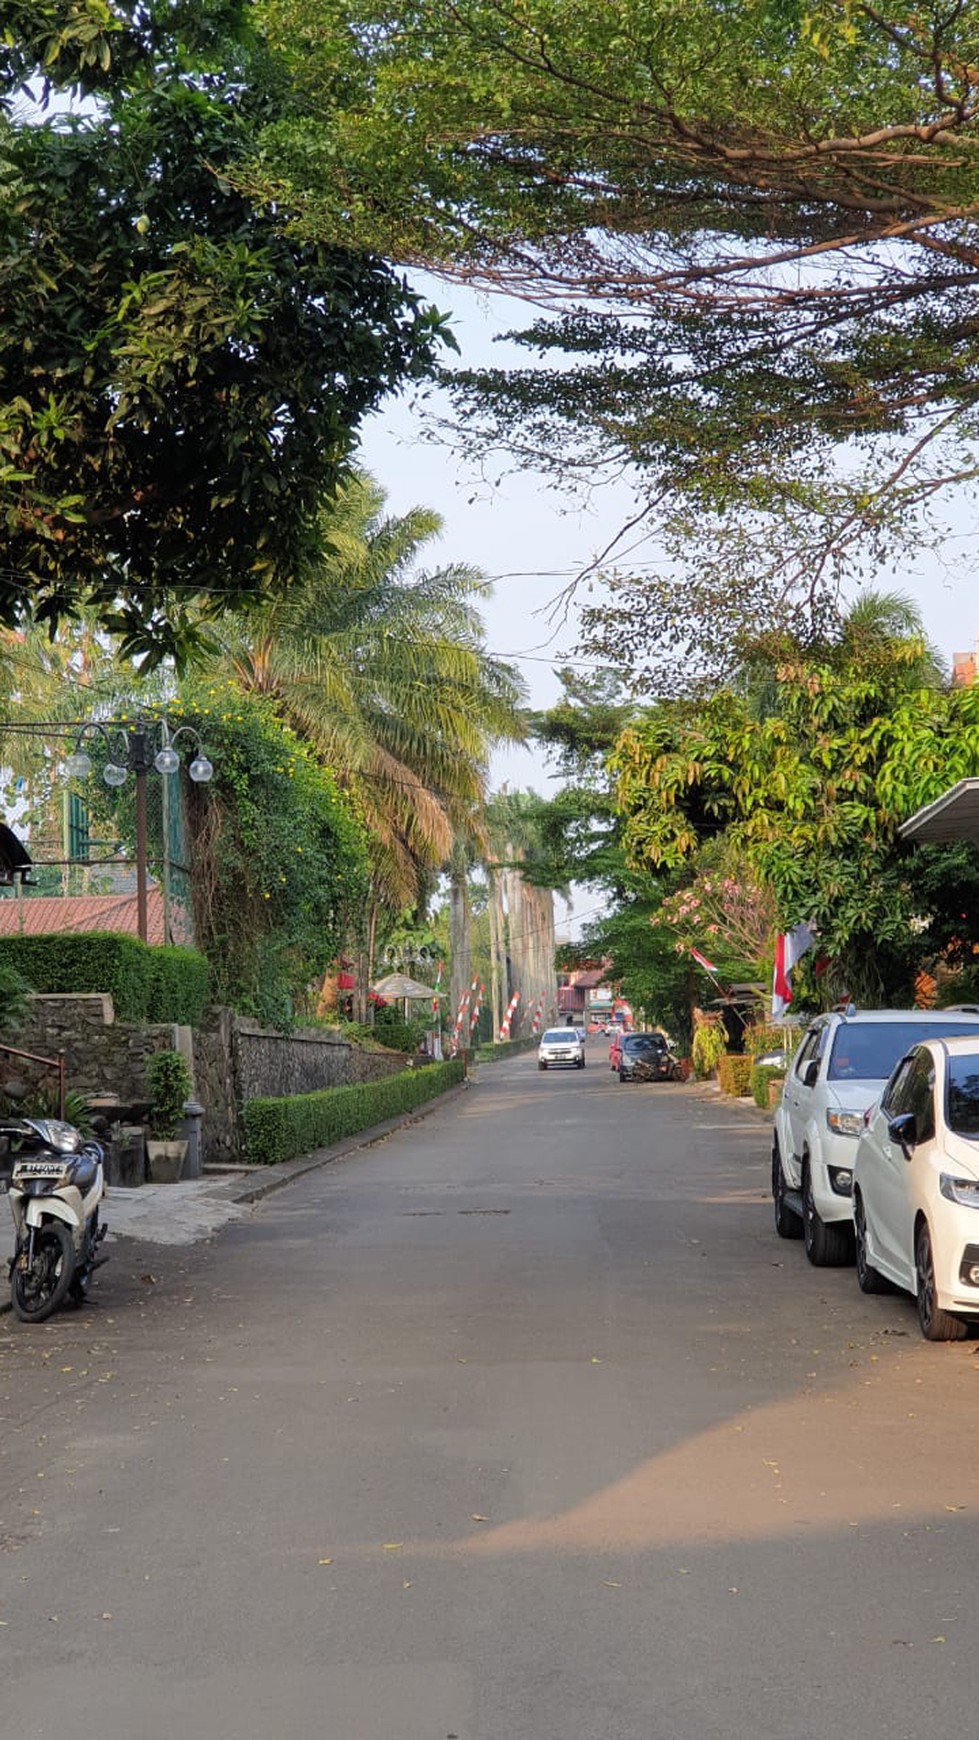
[651,1053]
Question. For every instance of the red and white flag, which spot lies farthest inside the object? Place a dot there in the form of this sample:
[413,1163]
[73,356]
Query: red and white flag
[702,961]
[790,946]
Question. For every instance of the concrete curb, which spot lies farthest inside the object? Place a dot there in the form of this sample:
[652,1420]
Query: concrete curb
[710,1091]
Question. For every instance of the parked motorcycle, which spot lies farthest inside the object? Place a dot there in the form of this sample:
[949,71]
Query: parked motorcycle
[56,1188]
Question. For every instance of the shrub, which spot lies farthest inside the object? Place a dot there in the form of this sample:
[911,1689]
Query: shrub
[761,1075]
[506,1048]
[145,984]
[734,1073]
[279,1129]
[14,992]
[707,1049]
[168,1079]
[391,1029]
[179,988]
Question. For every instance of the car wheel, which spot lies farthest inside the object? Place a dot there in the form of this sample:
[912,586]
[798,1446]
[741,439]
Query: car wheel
[788,1224]
[935,1323]
[542,1066]
[622,1075]
[869,1279]
[829,1244]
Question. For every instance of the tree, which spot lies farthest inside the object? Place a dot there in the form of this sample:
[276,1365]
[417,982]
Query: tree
[381,666]
[752,228]
[181,378]
[812,792]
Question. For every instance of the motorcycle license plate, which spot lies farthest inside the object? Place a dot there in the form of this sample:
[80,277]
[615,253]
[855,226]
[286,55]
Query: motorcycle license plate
[37,1169]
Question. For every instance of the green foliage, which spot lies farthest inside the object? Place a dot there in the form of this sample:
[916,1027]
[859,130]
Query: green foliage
[181,378]
[15,990]
[811,788]
[505,1048]
[380,666]
[169,1083]
[145,984]
[661,178]
[734,1074]
[278,857]
[180,985]
[707,1049]
[643,961]
[392,1030]
[45,1102]
[279,1129]
[760,1076]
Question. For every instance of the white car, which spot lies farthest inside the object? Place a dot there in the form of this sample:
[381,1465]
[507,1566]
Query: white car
[916,1187]
[566,1045]
[839,1070]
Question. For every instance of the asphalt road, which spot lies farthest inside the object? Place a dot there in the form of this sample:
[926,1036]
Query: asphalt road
[519,1426]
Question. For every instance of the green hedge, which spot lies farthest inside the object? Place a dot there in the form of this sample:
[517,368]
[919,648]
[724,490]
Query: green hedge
[180,986]
[279,1129]
[734,1073]
[506,1048]
[761,1075]
[145,984]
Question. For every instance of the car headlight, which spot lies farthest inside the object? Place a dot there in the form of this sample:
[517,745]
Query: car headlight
[841,1180]
[845,1123]
[962,1190]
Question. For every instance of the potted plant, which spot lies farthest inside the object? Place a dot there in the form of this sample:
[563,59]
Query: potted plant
[169,1083]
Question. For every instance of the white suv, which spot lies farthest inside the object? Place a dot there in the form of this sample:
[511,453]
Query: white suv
[567,1045]
[838,1072]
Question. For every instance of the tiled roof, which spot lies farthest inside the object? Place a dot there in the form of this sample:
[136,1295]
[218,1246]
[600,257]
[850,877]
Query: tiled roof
[55,914]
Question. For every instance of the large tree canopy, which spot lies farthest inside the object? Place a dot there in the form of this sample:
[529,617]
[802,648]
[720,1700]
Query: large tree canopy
[752,225]
[181,380]
[807,777]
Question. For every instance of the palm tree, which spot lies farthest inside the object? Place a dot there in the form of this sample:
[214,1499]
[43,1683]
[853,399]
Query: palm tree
[381,666]
[880,634]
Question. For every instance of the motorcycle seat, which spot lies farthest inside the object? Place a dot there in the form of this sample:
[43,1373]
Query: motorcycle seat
[82,1172]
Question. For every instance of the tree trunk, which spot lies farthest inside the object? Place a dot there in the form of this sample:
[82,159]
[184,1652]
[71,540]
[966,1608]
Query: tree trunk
[459,944]
[494,909]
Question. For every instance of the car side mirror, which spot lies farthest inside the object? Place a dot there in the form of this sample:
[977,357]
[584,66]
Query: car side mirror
[904,1131]
[812,1073]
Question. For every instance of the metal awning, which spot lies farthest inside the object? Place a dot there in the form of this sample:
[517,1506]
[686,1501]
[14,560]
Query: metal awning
[953,816]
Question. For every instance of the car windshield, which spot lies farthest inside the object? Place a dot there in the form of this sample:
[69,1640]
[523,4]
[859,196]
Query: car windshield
[869,1052]
[962,1096]
[561,1036]
[643,1042]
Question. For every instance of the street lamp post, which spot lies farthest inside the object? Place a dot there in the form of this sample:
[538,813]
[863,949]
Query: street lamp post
[148,745]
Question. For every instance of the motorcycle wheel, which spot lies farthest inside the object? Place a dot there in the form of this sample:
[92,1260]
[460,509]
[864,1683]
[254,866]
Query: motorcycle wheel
[36,1293]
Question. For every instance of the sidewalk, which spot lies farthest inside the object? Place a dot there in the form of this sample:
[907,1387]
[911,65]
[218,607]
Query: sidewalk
[182,1214]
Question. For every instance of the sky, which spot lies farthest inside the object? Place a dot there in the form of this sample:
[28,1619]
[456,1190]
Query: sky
[531,539]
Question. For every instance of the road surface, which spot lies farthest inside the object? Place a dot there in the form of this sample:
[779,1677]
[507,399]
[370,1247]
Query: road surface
[519,1426]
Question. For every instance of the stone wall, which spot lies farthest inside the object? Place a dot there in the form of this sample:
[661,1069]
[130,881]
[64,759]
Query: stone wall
[237,1060]
[233,1060]
[103,1057]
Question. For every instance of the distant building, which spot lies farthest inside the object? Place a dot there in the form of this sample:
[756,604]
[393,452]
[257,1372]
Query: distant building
[965,668]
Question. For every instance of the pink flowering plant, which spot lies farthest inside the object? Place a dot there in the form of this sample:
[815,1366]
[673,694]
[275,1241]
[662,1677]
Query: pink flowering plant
[725,913]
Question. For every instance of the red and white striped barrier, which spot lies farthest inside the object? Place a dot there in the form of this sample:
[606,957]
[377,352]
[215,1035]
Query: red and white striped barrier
[508,1017]
[535,1025]
[477,1006]
[460,1017]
